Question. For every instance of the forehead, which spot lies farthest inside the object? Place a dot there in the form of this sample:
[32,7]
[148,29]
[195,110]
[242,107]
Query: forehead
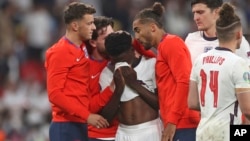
[199,7]
[105,30]
[138,25]
[88,17]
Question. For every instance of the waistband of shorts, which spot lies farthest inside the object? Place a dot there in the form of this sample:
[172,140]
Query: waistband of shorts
[142,125]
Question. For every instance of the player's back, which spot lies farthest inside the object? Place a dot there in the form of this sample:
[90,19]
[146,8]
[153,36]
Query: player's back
[217,79]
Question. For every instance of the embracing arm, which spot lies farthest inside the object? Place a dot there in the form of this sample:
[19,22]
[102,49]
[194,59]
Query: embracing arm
[98,101]
[140,49]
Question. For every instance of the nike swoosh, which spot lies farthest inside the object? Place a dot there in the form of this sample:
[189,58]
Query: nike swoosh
[78,59]
[94,76]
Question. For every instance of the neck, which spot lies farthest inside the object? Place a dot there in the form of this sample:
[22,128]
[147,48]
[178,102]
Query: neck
[73,38]
[230,45]
[159,36]
[210,32]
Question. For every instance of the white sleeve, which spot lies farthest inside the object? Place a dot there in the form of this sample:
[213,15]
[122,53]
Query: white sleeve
[244,50]
[241,75]
[193,74]
[187,40]
[195,71]
[121,64]
[106,78]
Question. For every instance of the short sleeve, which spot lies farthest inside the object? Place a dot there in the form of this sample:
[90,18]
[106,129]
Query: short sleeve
[241,74]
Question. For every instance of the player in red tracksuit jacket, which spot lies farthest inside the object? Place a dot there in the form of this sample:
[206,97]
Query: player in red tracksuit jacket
[173,66]
[67,67]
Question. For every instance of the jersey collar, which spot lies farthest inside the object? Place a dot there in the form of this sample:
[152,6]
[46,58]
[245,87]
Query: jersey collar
[208,38]
[223,49]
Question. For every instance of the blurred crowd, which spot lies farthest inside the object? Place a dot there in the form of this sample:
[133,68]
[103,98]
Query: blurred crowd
[29,27]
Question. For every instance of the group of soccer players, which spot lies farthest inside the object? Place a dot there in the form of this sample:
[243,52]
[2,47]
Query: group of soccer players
[105,85]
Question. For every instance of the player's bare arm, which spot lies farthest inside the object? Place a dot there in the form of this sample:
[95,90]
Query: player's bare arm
[111,108]
[193,96]
[243,96]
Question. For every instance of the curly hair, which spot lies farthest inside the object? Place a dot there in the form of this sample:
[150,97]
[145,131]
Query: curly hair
[101,22]
[118,42]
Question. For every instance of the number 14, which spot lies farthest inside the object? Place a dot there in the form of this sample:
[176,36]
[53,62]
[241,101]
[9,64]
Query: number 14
[213,85]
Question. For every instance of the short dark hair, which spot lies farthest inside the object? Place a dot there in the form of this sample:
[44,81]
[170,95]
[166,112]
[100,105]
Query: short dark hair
[118,42]
[212,4]
[153,14]
[227,23]
[76,11]
[101,22]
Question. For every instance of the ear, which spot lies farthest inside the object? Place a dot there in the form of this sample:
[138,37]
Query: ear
[74,26]
[217,12]
[239,35]
[92,43]
[153,27]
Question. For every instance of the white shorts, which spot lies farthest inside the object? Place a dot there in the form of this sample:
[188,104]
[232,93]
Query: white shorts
[148,131]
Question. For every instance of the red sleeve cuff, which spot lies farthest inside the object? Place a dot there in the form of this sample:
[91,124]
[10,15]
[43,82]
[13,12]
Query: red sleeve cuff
[85,114]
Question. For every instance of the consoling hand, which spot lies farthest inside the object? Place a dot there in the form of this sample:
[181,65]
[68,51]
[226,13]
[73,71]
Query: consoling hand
[97,121]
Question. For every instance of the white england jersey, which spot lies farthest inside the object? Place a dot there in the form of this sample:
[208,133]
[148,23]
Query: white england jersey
[198,44]
[145,74]
[217,73]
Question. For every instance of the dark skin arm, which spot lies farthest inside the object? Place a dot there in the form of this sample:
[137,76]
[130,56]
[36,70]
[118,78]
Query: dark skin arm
[111,108]
[130,78]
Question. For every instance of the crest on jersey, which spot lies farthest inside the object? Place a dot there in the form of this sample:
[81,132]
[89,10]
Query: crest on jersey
[246,76]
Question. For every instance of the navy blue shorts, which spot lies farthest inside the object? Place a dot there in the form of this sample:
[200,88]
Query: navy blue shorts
[68,131]
[187,134]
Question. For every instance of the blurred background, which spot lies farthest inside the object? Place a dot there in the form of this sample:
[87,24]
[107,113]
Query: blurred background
[29,27]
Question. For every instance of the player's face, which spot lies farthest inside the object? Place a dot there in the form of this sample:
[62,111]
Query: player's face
[102,34]
[204,17]
[85,27]
[143,34]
